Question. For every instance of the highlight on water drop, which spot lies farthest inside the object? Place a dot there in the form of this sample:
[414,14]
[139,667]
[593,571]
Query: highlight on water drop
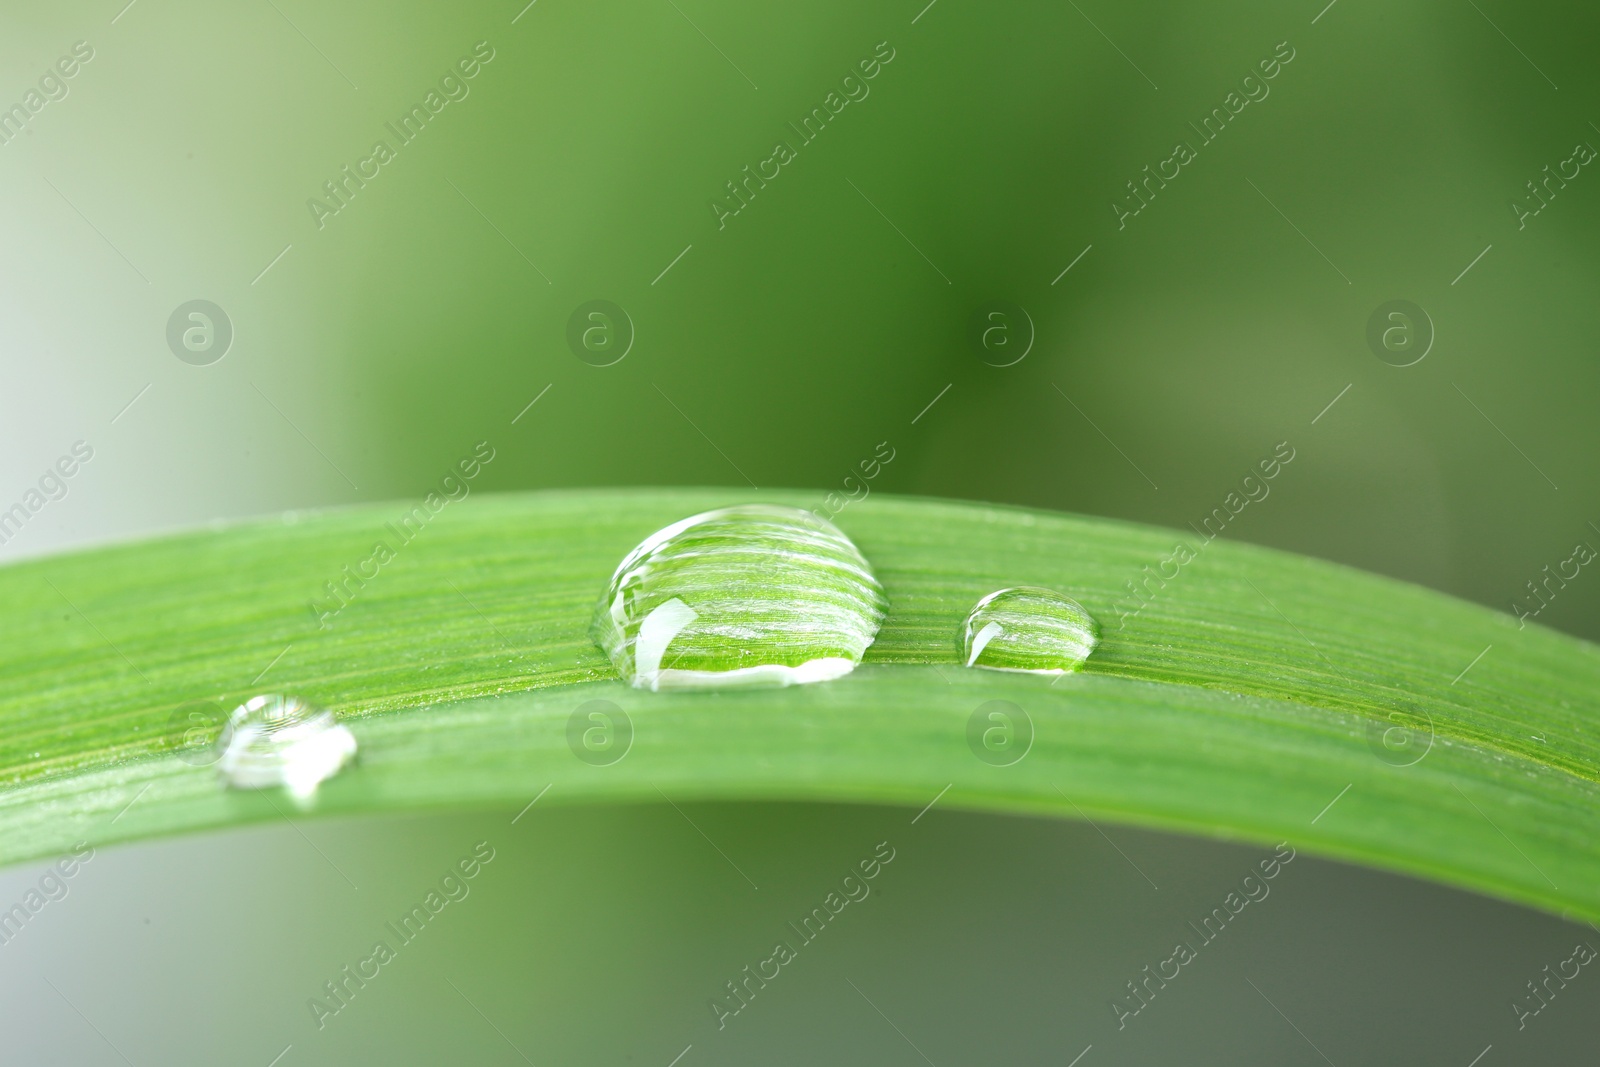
[1028,629]
[751,595]
[276,740]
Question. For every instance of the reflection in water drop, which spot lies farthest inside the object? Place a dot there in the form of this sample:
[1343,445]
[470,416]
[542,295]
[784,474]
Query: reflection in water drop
[274,740]
[756,594]
[1029,629]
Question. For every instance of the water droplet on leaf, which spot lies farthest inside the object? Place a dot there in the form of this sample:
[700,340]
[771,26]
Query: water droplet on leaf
[752,595]
[274,740]
[1026,628]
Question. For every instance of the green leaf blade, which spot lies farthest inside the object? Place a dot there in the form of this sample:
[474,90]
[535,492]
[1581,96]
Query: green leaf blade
[1240,700]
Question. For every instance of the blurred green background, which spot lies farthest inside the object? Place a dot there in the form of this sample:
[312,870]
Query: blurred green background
[1170,351]
[428,312]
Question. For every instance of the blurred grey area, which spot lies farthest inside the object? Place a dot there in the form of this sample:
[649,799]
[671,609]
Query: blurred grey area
[619,935]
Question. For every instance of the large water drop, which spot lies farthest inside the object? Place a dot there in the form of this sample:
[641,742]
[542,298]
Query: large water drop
[1029,629]
[756,594]
[274,740]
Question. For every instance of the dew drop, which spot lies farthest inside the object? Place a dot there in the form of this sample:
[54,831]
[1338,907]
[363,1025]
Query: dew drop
[753,595]
[273,740]
[1028,629]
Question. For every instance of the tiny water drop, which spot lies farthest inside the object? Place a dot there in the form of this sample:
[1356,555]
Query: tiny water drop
[1028,629]
[274,740]
[752,595]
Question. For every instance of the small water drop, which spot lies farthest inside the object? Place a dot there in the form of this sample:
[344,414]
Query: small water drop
[1028,629]
[273,740]
[752,595]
